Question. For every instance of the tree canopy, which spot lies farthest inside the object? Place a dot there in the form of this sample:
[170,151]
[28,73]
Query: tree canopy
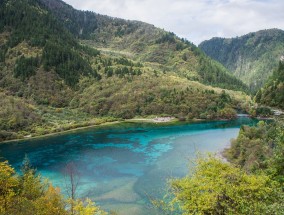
[28,193]
[217,187]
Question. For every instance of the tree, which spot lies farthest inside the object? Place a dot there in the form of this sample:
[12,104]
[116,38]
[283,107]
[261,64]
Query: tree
[216,187]
[31,185]
[87,208]
[8,185]
[72,181]
[28,194]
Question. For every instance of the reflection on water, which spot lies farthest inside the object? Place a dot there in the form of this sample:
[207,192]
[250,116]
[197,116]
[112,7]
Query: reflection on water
[122,165]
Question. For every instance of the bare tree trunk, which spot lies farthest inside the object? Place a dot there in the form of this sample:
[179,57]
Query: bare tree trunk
[72,180]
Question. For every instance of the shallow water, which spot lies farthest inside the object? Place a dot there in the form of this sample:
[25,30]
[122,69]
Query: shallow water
[121,166]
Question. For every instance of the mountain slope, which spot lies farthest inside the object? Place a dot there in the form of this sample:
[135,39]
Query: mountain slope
[47,75]
[272,94]
[143,42]
[251,57]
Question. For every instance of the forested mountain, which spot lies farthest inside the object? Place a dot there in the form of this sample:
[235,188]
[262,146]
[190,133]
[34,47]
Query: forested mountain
[52,78]
[272,94]
[252,57]
[143,42]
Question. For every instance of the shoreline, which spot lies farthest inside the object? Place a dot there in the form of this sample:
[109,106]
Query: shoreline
[60,132]
[156,120]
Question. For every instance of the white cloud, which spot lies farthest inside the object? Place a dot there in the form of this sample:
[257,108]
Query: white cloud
[195,20]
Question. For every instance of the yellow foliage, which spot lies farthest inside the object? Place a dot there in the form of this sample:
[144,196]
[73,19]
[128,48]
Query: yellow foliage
[216,187]
[51,203]
[86,208]
[8,183]
[30,195]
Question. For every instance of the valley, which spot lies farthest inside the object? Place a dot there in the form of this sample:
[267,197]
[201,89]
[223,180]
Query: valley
[102,115]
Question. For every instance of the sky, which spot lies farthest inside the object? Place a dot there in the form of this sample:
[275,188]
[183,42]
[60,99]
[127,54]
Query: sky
[195,20]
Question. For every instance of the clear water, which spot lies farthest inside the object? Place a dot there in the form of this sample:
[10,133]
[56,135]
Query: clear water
[122,165]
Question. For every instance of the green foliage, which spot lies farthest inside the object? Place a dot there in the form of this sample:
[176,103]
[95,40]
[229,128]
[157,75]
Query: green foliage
[18,118]
[263,111]
[66,62]
[31,23]
[272,93]
[15,115]
[258,148]
[214,74]
[89,51]
[28,193]
[47,88]
[276,167]
[227,113]
[148,44]
[216,187]
[80,24]
[251,57]
[53,83]
[168,37]
[144,95]
[253,184]
[8,184]
[3,50]
[25,67]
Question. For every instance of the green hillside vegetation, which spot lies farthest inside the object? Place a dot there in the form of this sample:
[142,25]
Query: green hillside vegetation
[15,114]
[163,51]
[59,81]
[29,193]
[144,43]
[252,57]
[260,148]
[272,94]
[158,95]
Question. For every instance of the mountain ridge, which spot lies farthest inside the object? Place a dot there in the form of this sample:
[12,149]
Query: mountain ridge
[147,44]
[251,57]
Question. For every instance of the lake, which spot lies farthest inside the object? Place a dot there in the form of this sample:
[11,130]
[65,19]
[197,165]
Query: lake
[121,166]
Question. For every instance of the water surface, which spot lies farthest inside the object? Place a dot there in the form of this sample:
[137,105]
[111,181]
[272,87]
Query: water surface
[122,165]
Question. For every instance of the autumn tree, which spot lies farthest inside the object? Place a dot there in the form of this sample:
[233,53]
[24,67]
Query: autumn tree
[8,185]
[216,187]
[29,193]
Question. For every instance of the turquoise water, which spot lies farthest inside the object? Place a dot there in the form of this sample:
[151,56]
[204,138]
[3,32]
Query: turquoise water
[122,165]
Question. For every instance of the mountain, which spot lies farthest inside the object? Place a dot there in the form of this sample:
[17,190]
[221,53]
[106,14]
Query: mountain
[144,43]
[272,94]
[251,57]
[62,68]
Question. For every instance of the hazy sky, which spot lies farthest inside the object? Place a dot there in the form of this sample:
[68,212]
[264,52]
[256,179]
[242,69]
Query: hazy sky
[196,20]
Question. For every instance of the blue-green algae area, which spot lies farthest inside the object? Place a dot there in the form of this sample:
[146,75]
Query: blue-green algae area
[121,166]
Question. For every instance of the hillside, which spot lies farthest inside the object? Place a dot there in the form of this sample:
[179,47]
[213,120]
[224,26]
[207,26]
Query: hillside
[54,78]
[272,94]
[251,57]
[145,43]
